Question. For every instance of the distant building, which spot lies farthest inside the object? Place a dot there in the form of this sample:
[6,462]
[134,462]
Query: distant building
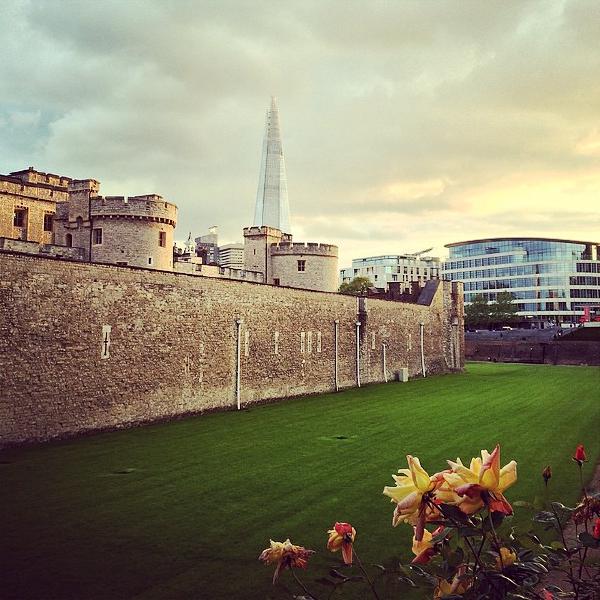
[272,206]
[207,247]
[268,246]
[231,256]
[551,279]
[403,268]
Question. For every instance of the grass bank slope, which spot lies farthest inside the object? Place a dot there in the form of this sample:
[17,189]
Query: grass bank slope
[182,510]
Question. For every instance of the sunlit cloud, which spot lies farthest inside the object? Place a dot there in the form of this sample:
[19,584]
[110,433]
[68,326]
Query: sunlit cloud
[405,125]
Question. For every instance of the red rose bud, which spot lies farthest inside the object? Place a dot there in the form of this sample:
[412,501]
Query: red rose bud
[547,474]
[579,456]
[596,533]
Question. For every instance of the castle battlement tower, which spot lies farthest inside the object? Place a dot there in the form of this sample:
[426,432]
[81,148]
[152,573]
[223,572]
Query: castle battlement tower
[128,231]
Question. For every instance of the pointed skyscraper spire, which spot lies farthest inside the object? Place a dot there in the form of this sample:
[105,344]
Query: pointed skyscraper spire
[272,207]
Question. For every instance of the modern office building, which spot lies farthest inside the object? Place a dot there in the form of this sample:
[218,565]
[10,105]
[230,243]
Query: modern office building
[551,279]
[231,256]
[382,270]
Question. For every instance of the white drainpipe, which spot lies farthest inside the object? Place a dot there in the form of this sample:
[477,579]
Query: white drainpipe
[336,334]
[422,327]
[238,367]
[383,348]
[357,353]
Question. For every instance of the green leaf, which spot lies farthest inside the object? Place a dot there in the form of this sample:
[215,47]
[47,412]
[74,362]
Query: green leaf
[440,536]
[456,558]
[453,513]
[337,574]
[469,532]
[325,581]
[408,581]
[588,540]
[496,521]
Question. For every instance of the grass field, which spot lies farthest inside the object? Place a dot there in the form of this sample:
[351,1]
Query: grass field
[182,510]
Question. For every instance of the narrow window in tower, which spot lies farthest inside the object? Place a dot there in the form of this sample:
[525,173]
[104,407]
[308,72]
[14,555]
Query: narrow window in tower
[302,341]
[48,222]
[97,236]
[318,341]
[149,260]
[276,342]
[309,342]
[20,217]
[105,347]
[162,238]
[301,266]
[372,340]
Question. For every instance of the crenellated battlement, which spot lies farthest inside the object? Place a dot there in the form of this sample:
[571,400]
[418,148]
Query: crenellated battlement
[264,230]
[150,206]
[30,175]
[304,248]
[84,185]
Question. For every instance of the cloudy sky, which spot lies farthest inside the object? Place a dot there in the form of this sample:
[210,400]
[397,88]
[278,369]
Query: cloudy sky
[406,124]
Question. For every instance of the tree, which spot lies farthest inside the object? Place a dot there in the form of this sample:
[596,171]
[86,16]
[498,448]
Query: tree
[355,287]
[477,314]
[503,310]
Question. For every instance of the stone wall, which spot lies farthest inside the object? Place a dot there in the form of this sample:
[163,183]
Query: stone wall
[561,352]
[7,244]
[37,199]
[87,346]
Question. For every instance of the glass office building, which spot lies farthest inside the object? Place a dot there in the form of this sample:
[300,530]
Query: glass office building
[551,280]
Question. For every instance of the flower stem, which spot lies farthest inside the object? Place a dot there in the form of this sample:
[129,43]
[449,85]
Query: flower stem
[301,584]
[585,498]
[360,565]
[564,541]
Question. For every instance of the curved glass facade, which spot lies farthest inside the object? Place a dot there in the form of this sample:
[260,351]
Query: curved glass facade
[550,279]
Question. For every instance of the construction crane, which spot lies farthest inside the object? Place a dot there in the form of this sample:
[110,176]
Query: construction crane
[421,252]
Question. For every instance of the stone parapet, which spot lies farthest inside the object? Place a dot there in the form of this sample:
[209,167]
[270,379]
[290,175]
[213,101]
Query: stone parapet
[34,177]
[267,231]
[304,248]
[23,247]
[151,207]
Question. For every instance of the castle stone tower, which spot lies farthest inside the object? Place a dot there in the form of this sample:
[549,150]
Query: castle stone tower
[134,231]
[272,207]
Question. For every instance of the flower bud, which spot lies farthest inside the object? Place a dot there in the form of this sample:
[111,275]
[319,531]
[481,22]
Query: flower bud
[547,474]
[579,457]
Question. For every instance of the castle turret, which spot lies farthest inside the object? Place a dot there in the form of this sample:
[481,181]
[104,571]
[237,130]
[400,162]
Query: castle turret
[310,266]
[135,231]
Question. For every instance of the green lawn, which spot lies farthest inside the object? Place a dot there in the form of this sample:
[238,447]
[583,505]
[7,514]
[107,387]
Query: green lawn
[182,510]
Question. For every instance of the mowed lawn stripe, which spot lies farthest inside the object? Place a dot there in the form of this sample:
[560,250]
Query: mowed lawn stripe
[183,509]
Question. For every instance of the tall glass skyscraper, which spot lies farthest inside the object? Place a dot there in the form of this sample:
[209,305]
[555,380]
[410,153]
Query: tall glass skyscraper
[550,279]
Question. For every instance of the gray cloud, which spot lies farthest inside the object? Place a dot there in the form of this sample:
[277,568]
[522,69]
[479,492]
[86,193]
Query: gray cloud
[377,100]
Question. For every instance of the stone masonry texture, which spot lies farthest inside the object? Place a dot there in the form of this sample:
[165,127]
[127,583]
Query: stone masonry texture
[173,340]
